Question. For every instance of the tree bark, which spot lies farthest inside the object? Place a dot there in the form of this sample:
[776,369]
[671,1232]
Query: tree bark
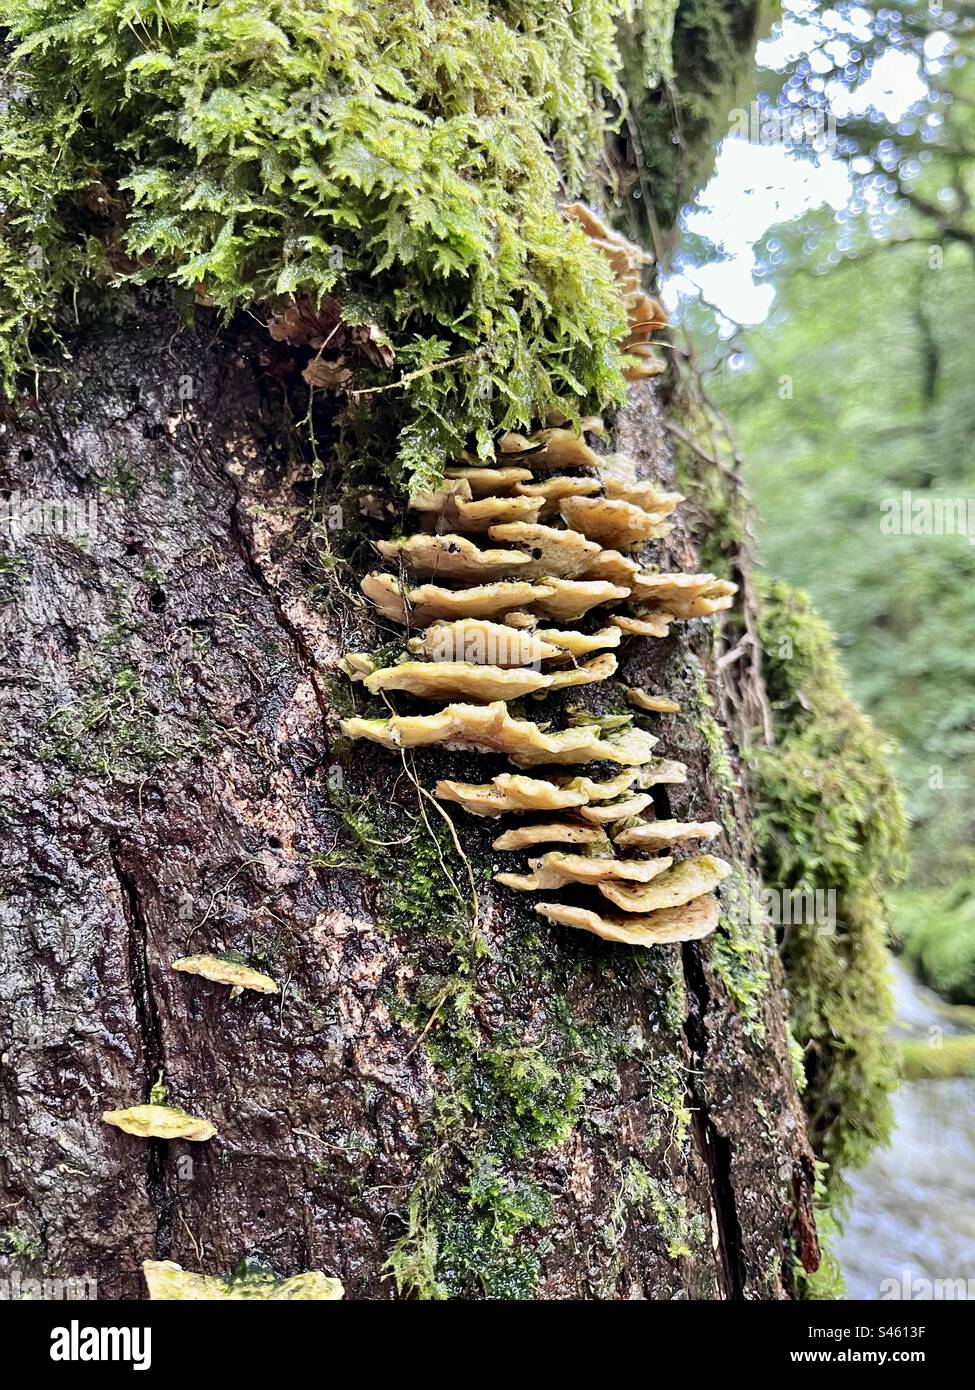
[169,763]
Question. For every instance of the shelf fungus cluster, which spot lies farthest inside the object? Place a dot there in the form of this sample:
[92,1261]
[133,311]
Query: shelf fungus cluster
[521,579]
[644,314]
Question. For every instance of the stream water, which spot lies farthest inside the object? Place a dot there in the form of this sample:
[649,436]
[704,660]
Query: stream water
[913,1213]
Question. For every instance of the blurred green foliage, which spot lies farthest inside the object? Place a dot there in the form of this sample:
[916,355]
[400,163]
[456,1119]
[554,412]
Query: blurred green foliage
[857,390]
[938,931]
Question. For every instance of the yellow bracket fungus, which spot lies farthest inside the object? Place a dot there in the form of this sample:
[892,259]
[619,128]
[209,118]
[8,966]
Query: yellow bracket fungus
[484,482]
[510,792]
[679,885]
[655,834]
[489,644]
[166,1281]
[559,553]
[614,567]
[612,522]
[610,811]
[569,643]
[569,599]
[656,704]
[428,602]
[159,1122]
[556,869]
[452,557]
[465,680]
[552,833]
[688,923]
[500,624]
[226,970]
[658,626]
[552,491]
[563,449]
[491,729]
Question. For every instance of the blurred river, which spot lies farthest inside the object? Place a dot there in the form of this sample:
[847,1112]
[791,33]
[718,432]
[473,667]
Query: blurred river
[913,1210]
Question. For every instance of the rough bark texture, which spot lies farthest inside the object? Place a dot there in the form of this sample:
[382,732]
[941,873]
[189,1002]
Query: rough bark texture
[168,768]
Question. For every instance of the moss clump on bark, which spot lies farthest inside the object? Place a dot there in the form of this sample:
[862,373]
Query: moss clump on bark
[829,818]
[401,159]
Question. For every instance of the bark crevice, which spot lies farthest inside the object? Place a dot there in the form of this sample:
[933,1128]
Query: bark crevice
[714,1147]
[151,1037]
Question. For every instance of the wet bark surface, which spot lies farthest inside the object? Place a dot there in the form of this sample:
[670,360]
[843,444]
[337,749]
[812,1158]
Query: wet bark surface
[169,763]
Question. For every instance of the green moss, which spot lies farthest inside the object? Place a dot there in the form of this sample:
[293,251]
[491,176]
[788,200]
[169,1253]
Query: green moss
[825,1284]
[22,1244]
[13,573]
[475,1220]
[739,955]
[740,947]
[402,158]
[640,1191]
[109,729]
[829,819]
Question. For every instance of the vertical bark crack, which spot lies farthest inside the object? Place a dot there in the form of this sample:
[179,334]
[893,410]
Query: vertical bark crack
[150,1032]
[713,1147]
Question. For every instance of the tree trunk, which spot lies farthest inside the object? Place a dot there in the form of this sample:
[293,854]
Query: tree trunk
[501,1109]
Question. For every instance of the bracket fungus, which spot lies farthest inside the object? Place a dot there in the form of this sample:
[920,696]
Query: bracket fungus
[460,509]
[428,602]
[655,704]
[517,551]
[570,599]
[612,522]
[493,644]
[485,482]
[226,970]
[657,626]
[491,729]
[466,680]
[683,595]
[688,923]
[570,643]
[167,1281]
[611,811]
[692,878]
[510,792]
[552,833]
[561,553]
[561,448]
[452,557]
[652,835]
[159,1122]
[555,869]
[552,491]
